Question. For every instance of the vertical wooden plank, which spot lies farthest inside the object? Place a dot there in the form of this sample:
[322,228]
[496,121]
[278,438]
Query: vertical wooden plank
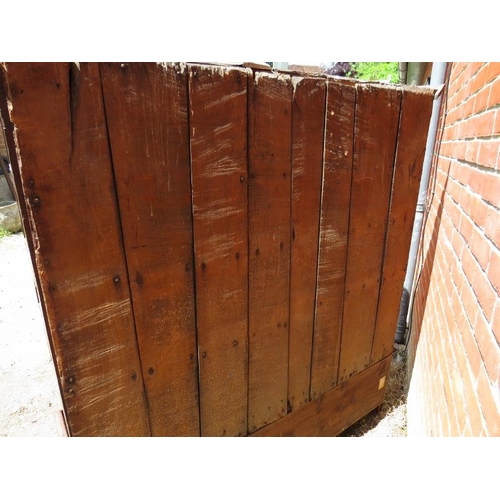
[270,98]
[336,198]
[67,180]
[308,115]
[146,106]
[416,108]
[218,124]
[376,125]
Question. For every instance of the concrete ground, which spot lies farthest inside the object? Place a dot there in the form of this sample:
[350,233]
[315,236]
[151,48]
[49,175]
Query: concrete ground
[29,394]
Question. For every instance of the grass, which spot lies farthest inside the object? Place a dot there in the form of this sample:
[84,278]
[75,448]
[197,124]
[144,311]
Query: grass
[4,233]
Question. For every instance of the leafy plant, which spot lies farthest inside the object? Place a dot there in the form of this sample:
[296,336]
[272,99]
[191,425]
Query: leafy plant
[375,71]
[4,232]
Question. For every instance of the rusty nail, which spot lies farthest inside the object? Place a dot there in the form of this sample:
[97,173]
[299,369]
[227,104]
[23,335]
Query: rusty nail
[242,178]
[188,266]
[284,174]
[235,343]
[52,288]
[191,357]
[281,245]
[203,354]
[31,183]
[237,255]
[36,200]
[134,376]
[257,252]
[116,279]
[122,66]
[151,371]
[203,266]
[46,262]
[71,380]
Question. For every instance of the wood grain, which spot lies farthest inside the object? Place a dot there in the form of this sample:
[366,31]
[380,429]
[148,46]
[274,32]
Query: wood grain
[146,106]
[308,115]
[218,125]
[376,125]
[67,181]
[336,198]
[416,107]
[336,409]
[270,103]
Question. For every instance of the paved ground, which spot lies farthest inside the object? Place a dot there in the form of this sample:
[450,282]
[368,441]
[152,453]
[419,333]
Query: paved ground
[29,394]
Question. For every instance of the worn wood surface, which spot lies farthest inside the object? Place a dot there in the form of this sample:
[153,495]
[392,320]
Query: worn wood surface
[218,125]
[211,244]
[270,99]
[336,409]
[67,181]
[375,134]
[308,115]
[416,108]
[146,107]
[335,203]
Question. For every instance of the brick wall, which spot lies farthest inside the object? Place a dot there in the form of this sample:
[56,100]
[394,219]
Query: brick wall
[454,348]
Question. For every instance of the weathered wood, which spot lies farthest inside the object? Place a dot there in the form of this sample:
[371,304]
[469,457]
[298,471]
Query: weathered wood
[270,99]
[308,115]
[67,181]
[336,409]
[416,107]
[376,125]
[218,124]
[335,202]
[146,106]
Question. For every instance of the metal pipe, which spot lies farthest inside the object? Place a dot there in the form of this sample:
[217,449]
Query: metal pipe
[437,78]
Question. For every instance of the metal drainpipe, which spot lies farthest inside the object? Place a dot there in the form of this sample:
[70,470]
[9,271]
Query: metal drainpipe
[437,78]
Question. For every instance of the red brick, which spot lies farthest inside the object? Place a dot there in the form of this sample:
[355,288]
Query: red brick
[481,248]
[494,97]
[471,151]
[496,126]
[488,347]
[454,190]
[466,228]
[460,172]
[476,66]
[492,225]
[482,99]
[479,211]
[488,157]
[486,74]
[469,105]
[471,348]
[476,418]
[485,294]
[469,300]
[488,399]
[494,269]
[483,124]
[495,324]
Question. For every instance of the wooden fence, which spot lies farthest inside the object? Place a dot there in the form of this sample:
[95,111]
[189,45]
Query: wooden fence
[218,251]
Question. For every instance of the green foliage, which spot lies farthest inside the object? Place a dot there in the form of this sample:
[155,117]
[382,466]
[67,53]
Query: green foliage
[4,232]
[376,71]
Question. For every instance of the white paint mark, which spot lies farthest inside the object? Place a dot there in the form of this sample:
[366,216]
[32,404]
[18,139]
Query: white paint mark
[88,280]
[94,316]
[225,98]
